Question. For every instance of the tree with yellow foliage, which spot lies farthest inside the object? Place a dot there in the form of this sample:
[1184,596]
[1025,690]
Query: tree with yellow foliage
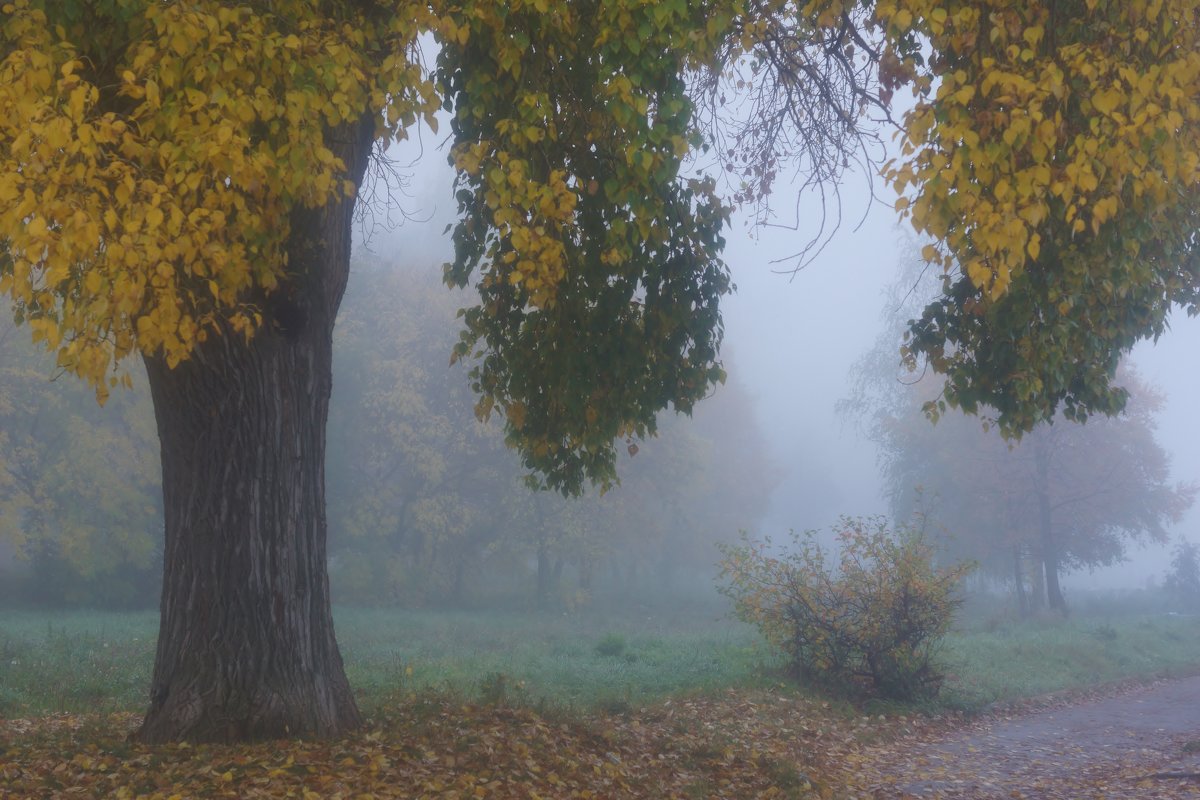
[1054,157]
[178,181]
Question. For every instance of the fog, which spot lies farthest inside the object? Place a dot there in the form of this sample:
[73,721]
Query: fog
[793,329]
[792,334]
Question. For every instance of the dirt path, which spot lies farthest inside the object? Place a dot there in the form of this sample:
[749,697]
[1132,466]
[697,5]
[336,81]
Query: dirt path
[1138,743]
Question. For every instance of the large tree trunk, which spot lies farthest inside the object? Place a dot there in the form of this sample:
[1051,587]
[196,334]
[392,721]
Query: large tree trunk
[246,648]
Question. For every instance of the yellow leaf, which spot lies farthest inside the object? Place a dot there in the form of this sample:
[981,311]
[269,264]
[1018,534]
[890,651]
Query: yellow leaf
[1107,101]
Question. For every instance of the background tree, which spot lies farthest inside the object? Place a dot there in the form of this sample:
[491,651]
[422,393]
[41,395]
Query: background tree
[1066,495]
[414,478]
[427,505]
[1182,581]
[79,488]
[422,496]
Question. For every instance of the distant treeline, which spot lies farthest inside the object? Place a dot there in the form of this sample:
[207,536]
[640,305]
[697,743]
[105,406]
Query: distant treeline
[427,506]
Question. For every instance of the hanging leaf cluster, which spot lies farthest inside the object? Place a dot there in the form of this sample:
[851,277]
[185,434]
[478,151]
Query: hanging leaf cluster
[597,262]
[1053,156]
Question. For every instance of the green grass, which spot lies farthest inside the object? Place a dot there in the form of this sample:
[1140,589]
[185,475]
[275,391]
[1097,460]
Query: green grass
[94,661]
[74,661]
[545,659]
[1016,660]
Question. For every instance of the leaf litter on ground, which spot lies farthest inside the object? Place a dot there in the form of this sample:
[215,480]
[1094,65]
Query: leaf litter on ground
[736,744]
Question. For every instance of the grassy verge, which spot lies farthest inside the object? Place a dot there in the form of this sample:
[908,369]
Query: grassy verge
[1008,662]
[100,662]
[576,662]
[75,661]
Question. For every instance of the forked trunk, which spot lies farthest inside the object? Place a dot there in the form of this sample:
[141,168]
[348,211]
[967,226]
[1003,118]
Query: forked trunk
[246,648]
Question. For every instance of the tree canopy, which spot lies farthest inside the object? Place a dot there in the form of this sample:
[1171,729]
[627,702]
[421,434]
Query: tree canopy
[153,154]
[154,157]
[1055,161]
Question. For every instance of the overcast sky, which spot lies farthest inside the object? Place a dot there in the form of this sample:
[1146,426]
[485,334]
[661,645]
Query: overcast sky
[792,338]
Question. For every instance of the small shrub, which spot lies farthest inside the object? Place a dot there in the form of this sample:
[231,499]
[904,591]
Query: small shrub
[872,625]
[611,644]
[497,689]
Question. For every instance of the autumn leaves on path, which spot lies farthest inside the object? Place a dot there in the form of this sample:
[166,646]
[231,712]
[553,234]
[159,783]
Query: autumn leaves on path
[1137,742]
[764,744]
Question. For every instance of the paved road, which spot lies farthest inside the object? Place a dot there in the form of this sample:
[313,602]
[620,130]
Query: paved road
[1121,746]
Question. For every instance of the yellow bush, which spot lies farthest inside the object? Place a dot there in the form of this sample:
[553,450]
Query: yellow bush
[872,625]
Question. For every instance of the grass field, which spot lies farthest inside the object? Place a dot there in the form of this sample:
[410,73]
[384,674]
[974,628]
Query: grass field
[97,662]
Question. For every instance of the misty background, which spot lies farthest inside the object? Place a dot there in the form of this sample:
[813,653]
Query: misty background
[796,325]
[769,453]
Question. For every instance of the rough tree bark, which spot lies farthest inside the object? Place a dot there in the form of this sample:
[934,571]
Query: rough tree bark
[246,647]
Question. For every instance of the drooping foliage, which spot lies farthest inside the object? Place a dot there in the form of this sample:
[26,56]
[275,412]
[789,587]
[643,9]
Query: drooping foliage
[592,250]
[151,154]
[1053,155]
